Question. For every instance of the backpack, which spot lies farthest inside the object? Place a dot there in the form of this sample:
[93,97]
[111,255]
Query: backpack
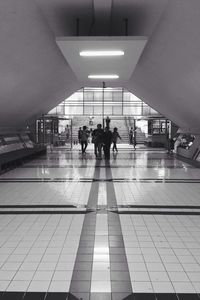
[84,136]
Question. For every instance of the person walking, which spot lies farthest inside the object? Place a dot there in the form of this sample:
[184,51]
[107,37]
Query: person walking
[115,136]
[107,141]
[84,139]
[97,139]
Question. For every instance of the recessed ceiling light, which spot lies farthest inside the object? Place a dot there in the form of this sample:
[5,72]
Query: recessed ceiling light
[102,53]
[112,76]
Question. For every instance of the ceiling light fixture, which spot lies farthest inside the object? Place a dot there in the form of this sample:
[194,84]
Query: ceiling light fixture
[102,53]
[112,76]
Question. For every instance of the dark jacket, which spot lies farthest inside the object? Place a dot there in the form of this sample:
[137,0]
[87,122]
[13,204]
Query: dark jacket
[97,136]
[107,139]
[79,133]
[115,136]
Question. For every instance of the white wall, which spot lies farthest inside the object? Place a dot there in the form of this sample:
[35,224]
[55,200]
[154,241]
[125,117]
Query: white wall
[167,76]
[33,74]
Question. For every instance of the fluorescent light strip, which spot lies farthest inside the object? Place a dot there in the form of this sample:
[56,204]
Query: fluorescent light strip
[112,76]
[102,53]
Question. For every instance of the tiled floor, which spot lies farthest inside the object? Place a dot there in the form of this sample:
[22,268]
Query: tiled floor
[57,193]
[163,252]
[100,230]
[151,193]
[38,251]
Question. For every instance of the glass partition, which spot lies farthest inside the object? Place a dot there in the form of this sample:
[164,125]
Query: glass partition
[98,101]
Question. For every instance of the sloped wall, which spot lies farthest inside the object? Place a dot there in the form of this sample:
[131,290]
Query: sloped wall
[167,76]
[34,76]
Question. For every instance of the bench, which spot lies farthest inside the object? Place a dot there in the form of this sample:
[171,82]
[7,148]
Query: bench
[14,149]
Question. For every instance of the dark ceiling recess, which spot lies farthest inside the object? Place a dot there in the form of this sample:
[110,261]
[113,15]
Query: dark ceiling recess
[77,26]
[126,26]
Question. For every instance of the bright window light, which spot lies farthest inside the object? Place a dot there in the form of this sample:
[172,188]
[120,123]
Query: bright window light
[111,76]
[102,53]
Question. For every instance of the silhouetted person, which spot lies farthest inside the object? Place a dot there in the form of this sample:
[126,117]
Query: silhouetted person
[115,136]
[84,139]
[134,139]
[67,130]
[97,139]
[131,136]
[108,122]
[170,145]
[79,135]
[107,141]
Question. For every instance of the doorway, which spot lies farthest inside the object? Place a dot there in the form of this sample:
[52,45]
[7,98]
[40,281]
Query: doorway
[54,131]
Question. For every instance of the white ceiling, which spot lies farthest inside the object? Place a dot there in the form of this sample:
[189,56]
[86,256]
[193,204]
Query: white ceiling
[120,65]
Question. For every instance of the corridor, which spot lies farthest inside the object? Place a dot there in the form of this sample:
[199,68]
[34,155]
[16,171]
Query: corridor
[73,227]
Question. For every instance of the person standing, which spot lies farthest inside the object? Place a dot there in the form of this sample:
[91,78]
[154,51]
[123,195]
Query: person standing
[115,136]
[79,134]
[131,136]
[134,139]
[107,140]
[97,139]
[67,130]
[108,122]
[84,139]
[170,146]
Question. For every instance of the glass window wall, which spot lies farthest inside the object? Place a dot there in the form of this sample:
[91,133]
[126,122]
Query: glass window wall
[97,101]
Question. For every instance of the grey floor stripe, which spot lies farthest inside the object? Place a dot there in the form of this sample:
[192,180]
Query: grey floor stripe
[81,279]
[120,277]
[94,179]
[113,166]
[46,212]
[143,212]
[159,206]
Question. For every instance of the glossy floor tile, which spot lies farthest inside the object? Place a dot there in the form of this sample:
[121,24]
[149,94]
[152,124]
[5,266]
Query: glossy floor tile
[95,229]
